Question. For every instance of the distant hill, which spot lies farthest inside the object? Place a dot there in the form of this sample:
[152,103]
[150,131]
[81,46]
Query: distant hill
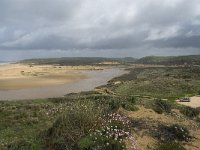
[79,60]
[170,60]
[128,59]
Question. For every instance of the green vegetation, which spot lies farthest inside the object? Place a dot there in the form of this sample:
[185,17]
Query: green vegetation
[160,82]
[173,132]
[74,61]
[161,106]
[190,112]
[170,60]
[21,122]
[141,107]
[171,146]
[127,104]
[75,123]
[58,123]
[178,132]
[108,133]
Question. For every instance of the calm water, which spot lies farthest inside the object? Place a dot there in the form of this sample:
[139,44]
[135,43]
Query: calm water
[96,78]
[6,62]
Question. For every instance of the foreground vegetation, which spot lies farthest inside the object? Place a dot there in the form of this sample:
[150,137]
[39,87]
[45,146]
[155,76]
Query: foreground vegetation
[63,123]
[91,120]
[134,111]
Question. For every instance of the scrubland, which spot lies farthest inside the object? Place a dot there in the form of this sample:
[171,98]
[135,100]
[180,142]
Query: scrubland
[137,110]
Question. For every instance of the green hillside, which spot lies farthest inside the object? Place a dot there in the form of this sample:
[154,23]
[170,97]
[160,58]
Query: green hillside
[170,60]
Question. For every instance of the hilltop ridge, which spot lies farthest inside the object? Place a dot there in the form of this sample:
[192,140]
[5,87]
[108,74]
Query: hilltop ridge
[78,60]
[170,60]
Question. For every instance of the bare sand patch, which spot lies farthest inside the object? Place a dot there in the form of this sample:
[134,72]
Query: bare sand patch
[20,76]
[194,102]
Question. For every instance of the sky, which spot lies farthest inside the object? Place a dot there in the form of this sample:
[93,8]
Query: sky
[98,28]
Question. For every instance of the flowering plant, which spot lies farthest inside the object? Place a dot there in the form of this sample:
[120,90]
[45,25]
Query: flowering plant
[111,132]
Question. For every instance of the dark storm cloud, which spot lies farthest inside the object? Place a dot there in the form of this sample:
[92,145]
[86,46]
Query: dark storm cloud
[179,42]
[132,26]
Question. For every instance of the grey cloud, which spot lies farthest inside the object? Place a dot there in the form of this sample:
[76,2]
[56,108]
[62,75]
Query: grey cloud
[179,42]
[188,36]
[131,26]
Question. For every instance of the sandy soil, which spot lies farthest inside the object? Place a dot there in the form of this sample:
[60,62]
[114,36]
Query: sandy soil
[152,119]
[195,102]
[20,76]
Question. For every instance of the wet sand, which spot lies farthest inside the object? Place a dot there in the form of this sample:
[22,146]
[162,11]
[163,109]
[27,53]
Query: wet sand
[19,76]
[94,78]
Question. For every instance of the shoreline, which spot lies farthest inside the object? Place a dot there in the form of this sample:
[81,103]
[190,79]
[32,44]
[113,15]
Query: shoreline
[20,76]
[94,79]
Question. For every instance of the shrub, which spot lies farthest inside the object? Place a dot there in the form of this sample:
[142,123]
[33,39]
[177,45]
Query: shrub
[131,99]
[161,106]
[114,104]
[190,112]
[198,119]
[129,106]
[170,146]
[72,126]
[126,103]
[86,143]
[199,92]
[24,145]
[179,132]
[158,110]
[109,133]
[173,132]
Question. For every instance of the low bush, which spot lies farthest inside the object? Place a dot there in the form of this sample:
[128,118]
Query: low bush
[129,106]
[170,146]
[86,143]
[24,145]
[173,132]
[126,103]
[71,126]
[114,104]
[161,106]
[180,133]
[198,119]
[158,110]
[131,99]
[190,112]
[109,133]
